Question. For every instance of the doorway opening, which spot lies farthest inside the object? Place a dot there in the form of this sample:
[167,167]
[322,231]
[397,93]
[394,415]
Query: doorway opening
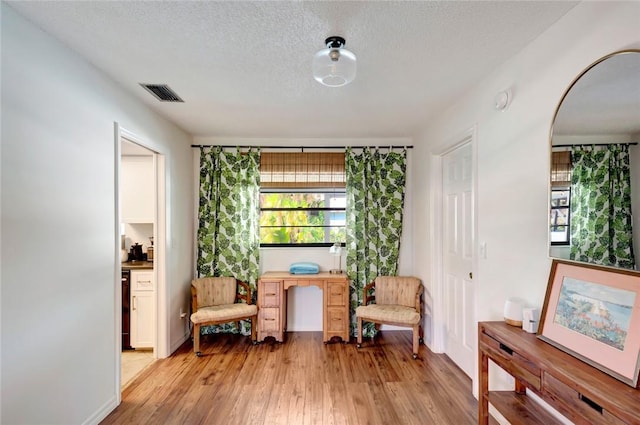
[141,240]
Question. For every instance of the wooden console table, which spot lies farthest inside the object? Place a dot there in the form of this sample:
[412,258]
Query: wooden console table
[272,303]
[579,391]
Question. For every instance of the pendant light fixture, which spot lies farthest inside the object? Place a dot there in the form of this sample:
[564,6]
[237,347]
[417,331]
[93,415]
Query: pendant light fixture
[334,66]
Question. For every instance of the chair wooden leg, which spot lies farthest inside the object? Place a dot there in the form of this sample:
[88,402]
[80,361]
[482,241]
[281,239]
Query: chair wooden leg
[254,322]
[196,340]
[359,332]
[421,340]
[238,327]
[416,337]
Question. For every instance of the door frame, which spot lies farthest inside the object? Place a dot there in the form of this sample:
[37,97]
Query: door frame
[161,328]
[437,240]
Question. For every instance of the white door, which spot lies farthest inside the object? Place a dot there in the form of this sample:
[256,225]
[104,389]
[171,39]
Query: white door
[459,292]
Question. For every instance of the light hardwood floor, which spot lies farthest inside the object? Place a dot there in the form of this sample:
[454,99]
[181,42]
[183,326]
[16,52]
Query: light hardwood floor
[301,381]
[132,362]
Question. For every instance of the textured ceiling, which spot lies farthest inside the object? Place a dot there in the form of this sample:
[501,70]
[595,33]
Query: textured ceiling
[244,68]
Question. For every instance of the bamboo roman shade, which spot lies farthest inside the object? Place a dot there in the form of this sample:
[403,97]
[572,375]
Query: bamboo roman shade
[560,169]
[302,169]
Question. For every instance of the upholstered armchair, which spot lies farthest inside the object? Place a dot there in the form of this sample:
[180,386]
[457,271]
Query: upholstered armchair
[217,300]
[398,301]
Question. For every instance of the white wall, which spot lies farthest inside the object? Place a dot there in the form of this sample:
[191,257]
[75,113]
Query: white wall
[305,304]
[513,151]
[137,200]
[138,233]
[137,183]
[59,231]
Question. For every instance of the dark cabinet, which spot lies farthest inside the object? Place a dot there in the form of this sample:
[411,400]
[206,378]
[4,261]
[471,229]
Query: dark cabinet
[126,309]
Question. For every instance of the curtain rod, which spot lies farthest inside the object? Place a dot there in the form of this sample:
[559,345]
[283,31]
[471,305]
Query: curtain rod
[302,148]
[593,144]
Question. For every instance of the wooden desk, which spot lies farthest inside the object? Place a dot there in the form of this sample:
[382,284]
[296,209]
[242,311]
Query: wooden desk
[580,392]
[272,303]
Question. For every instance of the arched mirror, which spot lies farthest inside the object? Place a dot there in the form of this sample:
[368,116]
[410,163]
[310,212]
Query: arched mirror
[595,165]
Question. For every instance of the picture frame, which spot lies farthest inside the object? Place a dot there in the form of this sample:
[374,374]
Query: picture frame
[593,313]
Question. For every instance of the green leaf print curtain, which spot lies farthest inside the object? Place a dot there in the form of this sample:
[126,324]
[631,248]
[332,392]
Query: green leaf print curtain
[600,214]
[375,200]
[228,219]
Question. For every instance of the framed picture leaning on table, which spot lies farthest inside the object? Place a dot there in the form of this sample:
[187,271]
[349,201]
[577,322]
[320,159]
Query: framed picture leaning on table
[593,313]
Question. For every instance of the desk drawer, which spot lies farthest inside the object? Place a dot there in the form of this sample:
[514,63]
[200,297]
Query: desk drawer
[512,362]
[336,293]
[269,319]
[579,405]
[336,320]
[270,294]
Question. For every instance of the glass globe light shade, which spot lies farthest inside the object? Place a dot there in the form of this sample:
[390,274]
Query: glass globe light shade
[334,67]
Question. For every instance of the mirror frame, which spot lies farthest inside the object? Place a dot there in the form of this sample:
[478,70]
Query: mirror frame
[553,122]
[573,83]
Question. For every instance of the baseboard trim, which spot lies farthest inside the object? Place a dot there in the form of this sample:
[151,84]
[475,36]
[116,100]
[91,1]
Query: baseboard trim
[177,344]
[102,412]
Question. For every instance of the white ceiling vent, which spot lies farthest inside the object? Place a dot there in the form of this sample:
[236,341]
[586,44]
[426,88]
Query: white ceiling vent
[162,92]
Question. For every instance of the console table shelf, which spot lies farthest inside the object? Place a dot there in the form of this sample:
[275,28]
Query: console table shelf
[582,393]
[519,409]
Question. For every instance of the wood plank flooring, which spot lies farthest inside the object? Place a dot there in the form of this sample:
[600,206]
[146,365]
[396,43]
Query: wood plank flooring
[302,381]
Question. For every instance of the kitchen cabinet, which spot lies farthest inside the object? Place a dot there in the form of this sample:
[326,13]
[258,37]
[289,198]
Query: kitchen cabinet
[142,309]
[137,187]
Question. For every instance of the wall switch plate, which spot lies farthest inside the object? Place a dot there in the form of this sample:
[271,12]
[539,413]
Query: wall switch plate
[483,250]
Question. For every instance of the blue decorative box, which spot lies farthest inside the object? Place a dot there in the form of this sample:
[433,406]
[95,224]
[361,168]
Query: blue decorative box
[304,268]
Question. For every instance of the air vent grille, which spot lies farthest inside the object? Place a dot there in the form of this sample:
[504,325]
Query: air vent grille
[162,92]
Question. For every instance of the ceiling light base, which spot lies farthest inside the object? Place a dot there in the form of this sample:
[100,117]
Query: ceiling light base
[334,42]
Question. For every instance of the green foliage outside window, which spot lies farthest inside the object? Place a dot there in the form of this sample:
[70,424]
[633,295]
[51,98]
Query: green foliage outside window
[299,218]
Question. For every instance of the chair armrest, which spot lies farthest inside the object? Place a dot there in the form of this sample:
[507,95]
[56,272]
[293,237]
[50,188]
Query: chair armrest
[194,299]
[366,298]
[247,295]
[419,299]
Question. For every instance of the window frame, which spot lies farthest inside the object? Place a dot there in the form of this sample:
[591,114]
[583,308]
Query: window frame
[567,241]
[285,190]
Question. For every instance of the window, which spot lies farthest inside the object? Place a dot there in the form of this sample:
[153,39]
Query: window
[559,223]
[307,218]
[302,198]
[559,219]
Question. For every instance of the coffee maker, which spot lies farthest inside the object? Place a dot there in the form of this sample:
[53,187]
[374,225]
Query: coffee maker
[135,253]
